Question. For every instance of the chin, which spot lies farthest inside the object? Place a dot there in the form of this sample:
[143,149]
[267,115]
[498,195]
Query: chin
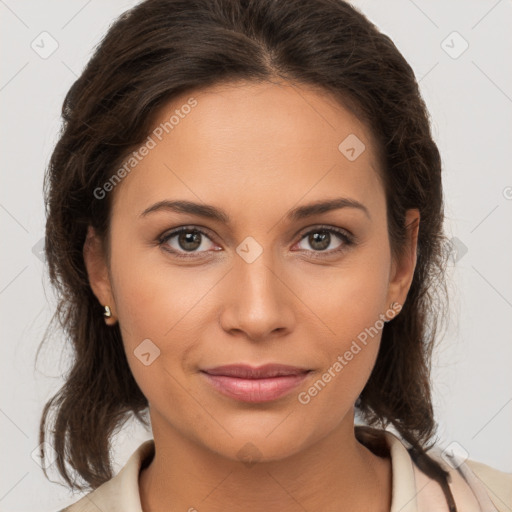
[262,441]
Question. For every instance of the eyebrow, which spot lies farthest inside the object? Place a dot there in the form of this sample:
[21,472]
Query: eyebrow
[214,213]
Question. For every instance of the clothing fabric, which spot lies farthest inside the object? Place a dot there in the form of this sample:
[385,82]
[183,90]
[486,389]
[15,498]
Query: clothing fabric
[476,487]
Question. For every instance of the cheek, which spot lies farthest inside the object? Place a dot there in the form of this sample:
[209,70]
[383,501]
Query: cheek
[349,356]
[162,316]
[350,298]
[334,391]
[351,304]
[152,296]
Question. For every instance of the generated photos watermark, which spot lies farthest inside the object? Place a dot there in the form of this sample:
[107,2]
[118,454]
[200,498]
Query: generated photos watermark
[137,156]
[304,397]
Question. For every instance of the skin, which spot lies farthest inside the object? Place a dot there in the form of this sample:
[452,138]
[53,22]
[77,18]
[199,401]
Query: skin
[256,151]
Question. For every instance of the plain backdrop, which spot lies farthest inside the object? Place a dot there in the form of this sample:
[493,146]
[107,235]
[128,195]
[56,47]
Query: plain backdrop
[460,51]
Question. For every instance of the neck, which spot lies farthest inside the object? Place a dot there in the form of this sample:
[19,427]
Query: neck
[335,473]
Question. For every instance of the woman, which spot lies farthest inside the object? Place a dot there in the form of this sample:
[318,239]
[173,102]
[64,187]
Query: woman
[245,226]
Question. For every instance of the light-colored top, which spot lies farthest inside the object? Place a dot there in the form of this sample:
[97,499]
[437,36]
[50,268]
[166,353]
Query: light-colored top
[476,487]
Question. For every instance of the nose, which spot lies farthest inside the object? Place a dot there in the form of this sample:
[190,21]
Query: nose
[258,300]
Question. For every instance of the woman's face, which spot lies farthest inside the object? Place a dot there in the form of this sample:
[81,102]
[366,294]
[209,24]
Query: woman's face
[266,280]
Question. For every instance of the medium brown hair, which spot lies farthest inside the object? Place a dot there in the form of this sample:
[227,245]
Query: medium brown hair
[162,48]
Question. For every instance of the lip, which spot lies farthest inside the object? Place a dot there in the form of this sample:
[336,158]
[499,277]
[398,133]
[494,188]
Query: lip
[255,384]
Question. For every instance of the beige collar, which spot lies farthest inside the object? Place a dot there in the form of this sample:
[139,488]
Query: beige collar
[412,491]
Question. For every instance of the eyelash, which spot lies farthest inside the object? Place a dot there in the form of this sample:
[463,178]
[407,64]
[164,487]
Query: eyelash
[347,239]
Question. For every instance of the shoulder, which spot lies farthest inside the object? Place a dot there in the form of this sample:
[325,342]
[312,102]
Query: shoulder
[475,485]
[120,493]
[498,484]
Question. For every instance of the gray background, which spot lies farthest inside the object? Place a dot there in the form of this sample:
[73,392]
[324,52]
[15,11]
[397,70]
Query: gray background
[469,95]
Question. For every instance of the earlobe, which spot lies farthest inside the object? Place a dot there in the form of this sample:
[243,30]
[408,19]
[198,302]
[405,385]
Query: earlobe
[97,271]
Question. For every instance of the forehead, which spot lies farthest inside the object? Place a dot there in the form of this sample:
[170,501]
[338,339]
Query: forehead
[253,144]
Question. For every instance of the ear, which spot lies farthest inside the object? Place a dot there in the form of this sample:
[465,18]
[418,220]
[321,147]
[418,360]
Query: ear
[402,271]
[97,269]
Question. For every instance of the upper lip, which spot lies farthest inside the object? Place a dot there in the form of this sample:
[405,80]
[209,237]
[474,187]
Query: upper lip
[245,371]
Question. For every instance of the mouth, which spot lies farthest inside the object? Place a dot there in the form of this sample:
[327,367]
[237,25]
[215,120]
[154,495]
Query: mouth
[255,384]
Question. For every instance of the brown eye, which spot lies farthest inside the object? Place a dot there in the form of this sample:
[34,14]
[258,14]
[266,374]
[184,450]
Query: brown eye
[186,240]
[189,241]
[320,239]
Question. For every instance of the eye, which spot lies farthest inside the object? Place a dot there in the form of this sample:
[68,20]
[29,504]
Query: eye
[187,240]
[320,238]
[190,241]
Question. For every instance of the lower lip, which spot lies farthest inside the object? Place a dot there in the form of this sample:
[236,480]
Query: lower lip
[255,390]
